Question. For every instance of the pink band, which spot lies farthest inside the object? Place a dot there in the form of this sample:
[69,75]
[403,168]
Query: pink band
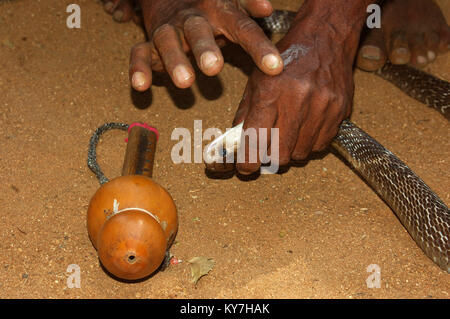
[144,125]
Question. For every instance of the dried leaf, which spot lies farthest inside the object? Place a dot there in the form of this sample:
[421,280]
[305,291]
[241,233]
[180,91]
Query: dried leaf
[200,266]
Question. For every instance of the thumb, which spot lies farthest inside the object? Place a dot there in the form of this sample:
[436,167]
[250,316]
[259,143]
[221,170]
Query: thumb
[257,8]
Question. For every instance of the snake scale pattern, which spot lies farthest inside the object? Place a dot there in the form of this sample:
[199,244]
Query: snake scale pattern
[425,216]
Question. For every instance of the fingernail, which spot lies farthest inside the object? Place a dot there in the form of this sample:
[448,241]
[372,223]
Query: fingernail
[208,59]
[181,73]
[138,79]
[118,14]
[271,61]
[421,59]
[431,55]
[108,6]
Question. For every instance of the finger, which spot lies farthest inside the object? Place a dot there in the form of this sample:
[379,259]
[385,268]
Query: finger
[243,108]
[289,126]
[123,11]
[329,130]
[246,32]
[311,127]
[199,35]
[257,8]
[168,44]
[326,135]
[140,66]
[264,117]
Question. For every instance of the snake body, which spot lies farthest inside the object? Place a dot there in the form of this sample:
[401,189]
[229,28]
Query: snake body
[419,85]
[424,215]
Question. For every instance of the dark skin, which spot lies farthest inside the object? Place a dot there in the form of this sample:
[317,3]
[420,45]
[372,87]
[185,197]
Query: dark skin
[319,96]
[193,26]
[308,101]
[412,32]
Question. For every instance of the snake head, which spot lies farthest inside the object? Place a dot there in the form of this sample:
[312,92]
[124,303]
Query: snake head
[220,153]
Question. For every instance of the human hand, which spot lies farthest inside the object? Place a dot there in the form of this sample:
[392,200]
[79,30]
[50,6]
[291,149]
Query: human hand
[308,101]
[178,27]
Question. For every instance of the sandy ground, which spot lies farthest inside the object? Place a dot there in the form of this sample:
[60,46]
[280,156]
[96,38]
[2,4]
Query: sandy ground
[308,233]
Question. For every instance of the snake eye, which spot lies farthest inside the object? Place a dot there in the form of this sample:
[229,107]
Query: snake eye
[223,152]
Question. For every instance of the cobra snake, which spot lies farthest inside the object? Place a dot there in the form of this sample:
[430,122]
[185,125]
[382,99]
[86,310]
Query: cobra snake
[424,215]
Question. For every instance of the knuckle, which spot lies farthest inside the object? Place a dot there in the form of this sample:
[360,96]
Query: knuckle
[202,44]
[194,21]
[137,48]
[328,95]
[245,25]
[162,31]
[304,85]
[264,99]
